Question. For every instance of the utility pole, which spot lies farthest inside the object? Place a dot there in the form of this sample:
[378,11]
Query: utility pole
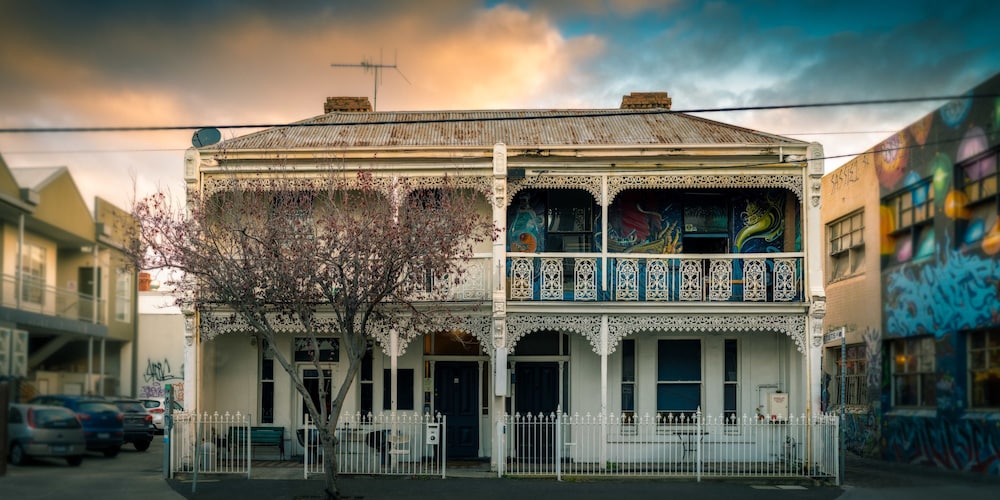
[376,69]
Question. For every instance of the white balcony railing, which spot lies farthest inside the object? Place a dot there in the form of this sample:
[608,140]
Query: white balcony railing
[37,297]
[764,278]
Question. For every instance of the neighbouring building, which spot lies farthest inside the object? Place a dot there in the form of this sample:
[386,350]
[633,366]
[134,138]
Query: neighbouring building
[652,263]
[161,344]
[68,311]
[913,275]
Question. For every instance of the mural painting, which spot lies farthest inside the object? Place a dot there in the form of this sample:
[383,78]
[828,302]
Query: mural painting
[640,223]
[526,223]
[941,275]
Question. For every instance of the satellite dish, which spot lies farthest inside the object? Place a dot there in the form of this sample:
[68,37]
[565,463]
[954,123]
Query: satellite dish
[206,137]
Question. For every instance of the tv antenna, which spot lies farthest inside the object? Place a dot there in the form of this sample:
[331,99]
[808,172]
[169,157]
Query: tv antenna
[376,69]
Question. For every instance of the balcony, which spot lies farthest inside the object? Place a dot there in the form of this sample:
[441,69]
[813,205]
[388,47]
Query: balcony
[37,297]
[745,278]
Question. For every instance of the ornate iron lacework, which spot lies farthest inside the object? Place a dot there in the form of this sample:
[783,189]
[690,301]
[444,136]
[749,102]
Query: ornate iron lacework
[319,180]
[521,270]
[657,275]
[585,270]
[691,280]
[519,325]
[552,279]
[720,287]
[214,324]
[589,183]
[617,184]
[754,280]
[784,279]
[627,284]
[620,326]
[313,181]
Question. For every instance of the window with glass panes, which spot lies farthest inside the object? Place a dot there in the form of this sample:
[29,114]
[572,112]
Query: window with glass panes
[123,295]
[846,245]
[977,178]
[852,375]
[984,368]
[678,379]
[913,372]
[913,210]
[628,380]
[33,273]
[730,387]
[267,386]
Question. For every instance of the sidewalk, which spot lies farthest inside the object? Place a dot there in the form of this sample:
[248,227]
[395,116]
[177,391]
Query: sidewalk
[865,479]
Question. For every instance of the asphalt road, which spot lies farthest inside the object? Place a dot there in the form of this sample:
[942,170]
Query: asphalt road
[138,475]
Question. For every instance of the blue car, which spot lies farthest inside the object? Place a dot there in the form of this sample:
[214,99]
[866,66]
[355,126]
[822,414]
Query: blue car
[103,423]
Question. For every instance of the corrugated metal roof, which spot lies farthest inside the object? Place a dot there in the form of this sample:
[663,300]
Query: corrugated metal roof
[527,128]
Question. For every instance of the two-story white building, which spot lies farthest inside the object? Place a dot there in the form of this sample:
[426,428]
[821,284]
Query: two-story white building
[652,263]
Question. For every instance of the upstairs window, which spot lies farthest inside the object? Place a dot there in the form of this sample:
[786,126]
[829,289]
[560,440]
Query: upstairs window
[913,210]
[123,295]
[976,179]
[846,243]
[33,274]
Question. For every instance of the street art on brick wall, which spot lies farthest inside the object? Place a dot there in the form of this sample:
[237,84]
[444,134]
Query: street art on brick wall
[940,256]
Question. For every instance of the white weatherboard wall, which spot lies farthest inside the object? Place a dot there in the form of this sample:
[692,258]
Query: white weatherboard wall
[160,347]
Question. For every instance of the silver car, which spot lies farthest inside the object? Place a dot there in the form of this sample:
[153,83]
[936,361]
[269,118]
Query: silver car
[44,431]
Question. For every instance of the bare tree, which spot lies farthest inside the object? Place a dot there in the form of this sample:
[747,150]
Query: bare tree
[324,257]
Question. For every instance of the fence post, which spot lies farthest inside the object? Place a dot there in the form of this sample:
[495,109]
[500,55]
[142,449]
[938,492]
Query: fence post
[558,446]
[699,438]
[501,447]
[249,444]
[442,449]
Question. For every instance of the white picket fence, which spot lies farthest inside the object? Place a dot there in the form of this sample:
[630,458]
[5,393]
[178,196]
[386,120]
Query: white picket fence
[201,443]
[553,445]
[698,446]
[387,444]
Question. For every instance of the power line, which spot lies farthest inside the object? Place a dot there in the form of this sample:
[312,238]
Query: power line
[43,130]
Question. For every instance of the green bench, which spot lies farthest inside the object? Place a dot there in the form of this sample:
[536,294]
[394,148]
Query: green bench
[259,436]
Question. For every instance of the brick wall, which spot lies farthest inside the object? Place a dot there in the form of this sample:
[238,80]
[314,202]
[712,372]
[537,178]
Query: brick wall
[347,104]
[646,100]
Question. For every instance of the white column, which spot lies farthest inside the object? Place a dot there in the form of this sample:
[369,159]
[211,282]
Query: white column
[393,366]
[498,331]
[814,276]
[191,371]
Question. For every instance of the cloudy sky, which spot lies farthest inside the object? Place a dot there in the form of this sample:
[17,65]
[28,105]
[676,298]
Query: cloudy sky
[227,62]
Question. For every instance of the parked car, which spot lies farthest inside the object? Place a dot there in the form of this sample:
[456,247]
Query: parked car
[43,431]
[139,428]
[103,423]
[157,407]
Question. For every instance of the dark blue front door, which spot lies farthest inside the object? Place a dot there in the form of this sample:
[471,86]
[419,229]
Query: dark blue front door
[456,395]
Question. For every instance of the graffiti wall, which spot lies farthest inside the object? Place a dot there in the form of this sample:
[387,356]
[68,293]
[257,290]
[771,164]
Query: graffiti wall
[941,274]
[160,347]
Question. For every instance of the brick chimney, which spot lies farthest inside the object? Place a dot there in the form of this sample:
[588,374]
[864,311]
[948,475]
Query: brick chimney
[646,100]
[347,105]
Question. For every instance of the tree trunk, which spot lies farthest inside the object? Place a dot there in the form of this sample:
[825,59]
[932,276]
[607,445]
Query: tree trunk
[332,491]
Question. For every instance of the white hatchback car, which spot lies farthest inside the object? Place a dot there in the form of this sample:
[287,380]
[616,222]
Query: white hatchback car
[156,407]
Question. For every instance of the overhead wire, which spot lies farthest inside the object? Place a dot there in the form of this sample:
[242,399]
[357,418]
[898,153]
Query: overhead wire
[547,116]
